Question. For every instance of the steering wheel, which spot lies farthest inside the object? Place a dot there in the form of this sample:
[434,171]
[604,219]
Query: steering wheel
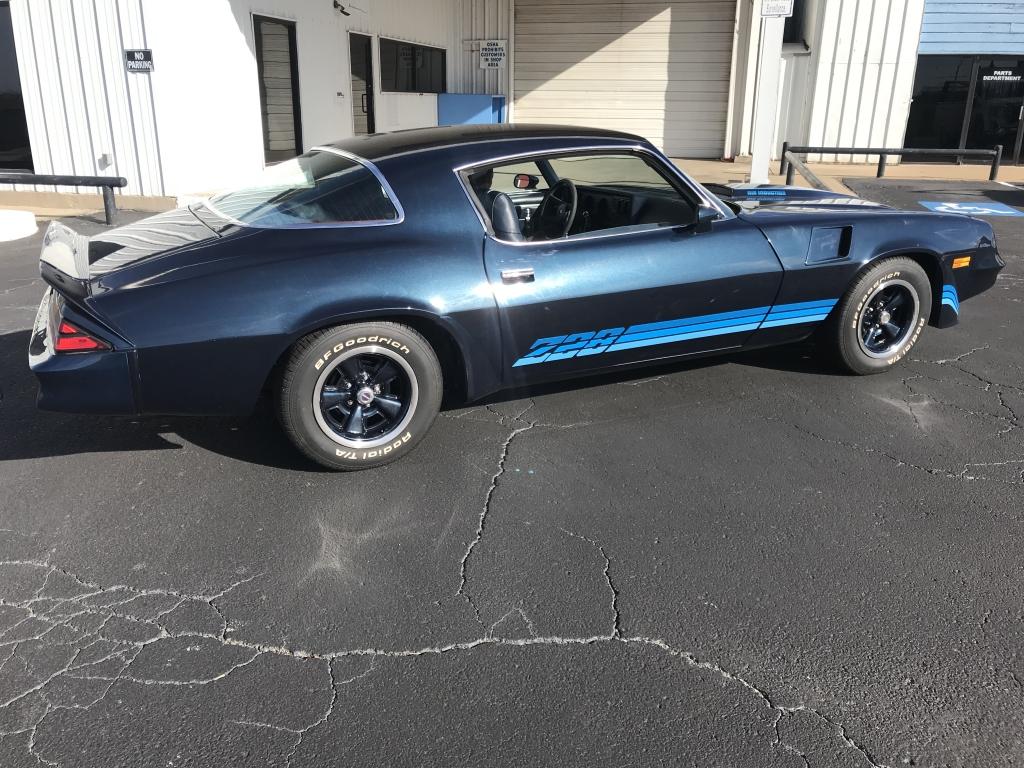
[557,211]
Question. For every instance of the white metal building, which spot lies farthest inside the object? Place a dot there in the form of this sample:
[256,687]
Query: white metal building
[235,84]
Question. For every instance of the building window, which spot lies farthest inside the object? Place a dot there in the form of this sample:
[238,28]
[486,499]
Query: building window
[410,68]
[278,69]
[972,102]
[14,144]
[793,31]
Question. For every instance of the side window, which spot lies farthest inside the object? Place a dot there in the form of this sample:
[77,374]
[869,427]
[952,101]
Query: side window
[613,171]
[573,195]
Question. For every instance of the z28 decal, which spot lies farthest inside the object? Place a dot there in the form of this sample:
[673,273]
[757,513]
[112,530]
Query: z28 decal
[582,344]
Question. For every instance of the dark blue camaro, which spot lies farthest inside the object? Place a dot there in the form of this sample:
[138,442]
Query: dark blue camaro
[363,279]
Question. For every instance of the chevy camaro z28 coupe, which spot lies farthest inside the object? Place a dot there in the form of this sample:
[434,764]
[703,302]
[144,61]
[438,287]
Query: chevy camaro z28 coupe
[361,280]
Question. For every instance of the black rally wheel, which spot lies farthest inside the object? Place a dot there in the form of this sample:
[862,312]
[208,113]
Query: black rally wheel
[881,317]
[359,396]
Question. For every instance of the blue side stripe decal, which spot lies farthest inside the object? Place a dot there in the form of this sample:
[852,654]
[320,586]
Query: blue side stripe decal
[692,329]
[824,304]
[773,322]
[681,337]
[951,298]
[700,320]
[553,348]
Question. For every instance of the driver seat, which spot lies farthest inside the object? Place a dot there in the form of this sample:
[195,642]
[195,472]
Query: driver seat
[504,218]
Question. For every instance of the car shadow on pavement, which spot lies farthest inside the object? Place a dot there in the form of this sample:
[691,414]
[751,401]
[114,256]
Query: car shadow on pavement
[28,433]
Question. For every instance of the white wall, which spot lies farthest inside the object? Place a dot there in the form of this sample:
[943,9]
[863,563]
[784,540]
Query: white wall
[206,94]
[851,88]
[477,20]
[863,74]
[80,103]
[193,125]
[214,127]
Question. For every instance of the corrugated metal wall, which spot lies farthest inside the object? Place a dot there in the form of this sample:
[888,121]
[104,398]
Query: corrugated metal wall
[478,20]
[80,101]
[972,26]
[862,75]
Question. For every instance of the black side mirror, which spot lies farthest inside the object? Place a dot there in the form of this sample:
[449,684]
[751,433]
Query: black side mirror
[706,216]
[525,181]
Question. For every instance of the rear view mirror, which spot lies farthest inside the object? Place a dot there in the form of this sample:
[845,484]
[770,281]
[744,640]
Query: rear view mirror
[525,181]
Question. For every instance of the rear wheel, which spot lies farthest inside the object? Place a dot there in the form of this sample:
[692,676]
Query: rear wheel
[881,317]
[359,396]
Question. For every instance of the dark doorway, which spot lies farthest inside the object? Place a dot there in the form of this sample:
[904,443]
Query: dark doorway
[14,144]
[361,52]
[278,68]
[968,102]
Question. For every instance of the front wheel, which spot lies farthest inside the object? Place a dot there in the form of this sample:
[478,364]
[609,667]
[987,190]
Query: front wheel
[881,317]
[359,396]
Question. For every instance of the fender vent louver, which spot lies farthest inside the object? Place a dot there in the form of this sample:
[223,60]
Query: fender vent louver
[829,244]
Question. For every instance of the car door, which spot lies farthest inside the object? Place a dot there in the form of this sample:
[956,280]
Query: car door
[631,293]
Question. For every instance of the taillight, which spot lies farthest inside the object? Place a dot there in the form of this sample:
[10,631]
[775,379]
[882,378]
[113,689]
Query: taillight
[70,338]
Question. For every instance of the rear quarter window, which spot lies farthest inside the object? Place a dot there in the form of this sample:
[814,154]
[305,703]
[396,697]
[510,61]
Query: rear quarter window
[318,187]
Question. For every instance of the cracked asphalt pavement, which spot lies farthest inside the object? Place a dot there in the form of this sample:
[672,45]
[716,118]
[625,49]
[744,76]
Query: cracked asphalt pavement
[744,561]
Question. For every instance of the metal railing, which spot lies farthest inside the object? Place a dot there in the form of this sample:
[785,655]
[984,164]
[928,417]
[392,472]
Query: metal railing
[791,162]
[105,183]
[786,167]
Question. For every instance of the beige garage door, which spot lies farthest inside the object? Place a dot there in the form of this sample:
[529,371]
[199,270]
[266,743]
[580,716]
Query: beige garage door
[658,69]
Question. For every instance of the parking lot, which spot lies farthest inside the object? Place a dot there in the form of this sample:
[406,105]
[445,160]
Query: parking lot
[742,561]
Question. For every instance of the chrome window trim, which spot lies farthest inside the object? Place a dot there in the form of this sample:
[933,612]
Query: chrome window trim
[496,139]
[388,190]
[705,197]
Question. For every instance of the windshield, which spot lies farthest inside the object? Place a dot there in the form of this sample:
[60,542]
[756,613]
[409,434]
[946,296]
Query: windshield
[319,187]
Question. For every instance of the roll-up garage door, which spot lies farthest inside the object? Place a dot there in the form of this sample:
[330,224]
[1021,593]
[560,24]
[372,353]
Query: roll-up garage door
[658,69]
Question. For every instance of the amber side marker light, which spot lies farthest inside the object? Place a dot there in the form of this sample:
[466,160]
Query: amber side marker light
[961,262]
[73,339]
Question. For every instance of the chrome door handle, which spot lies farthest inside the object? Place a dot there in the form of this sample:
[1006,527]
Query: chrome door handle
[524,275]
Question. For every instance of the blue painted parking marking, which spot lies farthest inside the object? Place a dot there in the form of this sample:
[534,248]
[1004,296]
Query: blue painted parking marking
[972,208]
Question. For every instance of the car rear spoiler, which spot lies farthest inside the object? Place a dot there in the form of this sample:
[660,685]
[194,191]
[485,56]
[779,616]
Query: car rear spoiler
[64,260]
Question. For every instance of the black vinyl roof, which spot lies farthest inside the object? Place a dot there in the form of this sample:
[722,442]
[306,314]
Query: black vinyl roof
[376,146]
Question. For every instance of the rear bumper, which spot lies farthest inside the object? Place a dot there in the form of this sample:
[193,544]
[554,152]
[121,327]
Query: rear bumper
[89,382]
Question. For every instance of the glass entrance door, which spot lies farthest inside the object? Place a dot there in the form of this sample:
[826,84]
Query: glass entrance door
[941,91]
[998,103]
[968,102]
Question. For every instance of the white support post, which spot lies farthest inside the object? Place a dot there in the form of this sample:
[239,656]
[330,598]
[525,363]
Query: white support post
[766,104]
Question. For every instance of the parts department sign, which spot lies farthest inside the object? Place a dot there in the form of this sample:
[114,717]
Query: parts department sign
[138,60]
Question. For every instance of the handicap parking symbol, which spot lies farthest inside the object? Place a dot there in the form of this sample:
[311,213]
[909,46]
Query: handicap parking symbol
[985,208]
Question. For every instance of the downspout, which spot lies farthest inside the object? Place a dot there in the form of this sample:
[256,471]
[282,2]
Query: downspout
[727,146]
[510,74]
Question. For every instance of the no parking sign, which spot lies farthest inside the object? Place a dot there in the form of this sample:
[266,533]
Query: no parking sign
[972,208]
